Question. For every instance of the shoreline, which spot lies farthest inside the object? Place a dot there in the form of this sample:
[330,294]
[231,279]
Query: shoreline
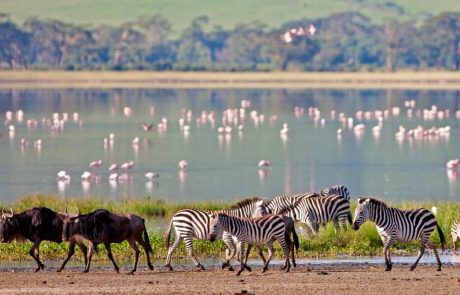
[221,80]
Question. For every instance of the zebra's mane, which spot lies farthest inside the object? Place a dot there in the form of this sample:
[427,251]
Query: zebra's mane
[376,202]
[246,202]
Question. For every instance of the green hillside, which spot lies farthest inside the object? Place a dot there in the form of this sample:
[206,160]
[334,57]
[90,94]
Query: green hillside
[221,12]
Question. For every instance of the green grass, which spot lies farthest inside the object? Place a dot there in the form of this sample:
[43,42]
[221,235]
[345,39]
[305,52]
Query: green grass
[365,242]
[224,13]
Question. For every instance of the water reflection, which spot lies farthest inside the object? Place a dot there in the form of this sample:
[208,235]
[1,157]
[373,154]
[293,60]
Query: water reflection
[384,143]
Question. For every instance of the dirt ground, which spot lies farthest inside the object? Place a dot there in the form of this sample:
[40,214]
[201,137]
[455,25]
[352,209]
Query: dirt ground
[340,279]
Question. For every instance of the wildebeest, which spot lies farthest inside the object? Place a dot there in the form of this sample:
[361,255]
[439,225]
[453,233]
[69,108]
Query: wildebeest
[36,225]
[104,227]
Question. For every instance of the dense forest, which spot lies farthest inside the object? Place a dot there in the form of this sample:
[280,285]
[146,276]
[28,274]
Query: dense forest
[341,42]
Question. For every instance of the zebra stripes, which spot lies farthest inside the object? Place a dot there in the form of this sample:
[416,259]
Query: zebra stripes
[259,231]
[338,190]
[333,205]
[399,225]
[455,232]
[191,223]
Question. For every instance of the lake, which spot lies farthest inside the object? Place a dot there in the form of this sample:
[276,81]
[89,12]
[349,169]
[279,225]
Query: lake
[224,165]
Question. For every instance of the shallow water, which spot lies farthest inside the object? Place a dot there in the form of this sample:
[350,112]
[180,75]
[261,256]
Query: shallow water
[447,258]
[224,166]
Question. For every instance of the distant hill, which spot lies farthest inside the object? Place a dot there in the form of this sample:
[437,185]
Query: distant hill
[221,12]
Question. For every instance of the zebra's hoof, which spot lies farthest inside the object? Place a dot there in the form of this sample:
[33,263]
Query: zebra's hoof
[230,268]
[169,267]
[248,268]
[294,264]
[439,269]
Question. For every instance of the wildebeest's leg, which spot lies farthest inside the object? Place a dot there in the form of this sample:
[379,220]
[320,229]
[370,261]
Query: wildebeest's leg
[420,252]
[109,254]
[189,247]
[271,250]
[90,255]
[34,252]
[136,251]
[147,252]
[69,254]
[171,250]
[433,247]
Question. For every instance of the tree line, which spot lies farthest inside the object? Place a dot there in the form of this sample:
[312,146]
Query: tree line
[346,41]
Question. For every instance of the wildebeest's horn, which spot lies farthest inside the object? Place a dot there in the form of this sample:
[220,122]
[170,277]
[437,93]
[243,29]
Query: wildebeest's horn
[78,211]
[3,211]
[11,210]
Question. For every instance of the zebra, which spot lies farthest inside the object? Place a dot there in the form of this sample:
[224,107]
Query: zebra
[290,228]
[192,223]
[455,232]
[334,203]
[338,190]
[402,225]
[258,231]
[314,210]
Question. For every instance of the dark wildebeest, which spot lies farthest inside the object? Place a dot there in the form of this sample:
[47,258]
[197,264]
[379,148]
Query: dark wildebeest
[37,225]
[104,227]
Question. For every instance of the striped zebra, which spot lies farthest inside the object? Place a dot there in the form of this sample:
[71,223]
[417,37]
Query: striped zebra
[455,232]
[191,223]
[259,231]
[338,190]
[290,229]
[399,225]
[314,210]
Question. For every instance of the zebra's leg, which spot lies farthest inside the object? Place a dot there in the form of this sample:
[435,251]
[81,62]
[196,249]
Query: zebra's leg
[343,222]
[271,250]
[454,239]
[433,247]
[386,251]
[171,251]
[336,225]
[420,253]
[189,248]
[312,226]
[248,250]
[229,252]
[261,253]
[241,252]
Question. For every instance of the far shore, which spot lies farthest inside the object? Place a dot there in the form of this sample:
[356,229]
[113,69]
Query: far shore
[219,80]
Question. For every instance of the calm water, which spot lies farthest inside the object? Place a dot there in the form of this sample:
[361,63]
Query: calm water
[224,166]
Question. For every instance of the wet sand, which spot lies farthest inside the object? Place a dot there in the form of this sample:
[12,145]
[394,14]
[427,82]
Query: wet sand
[330,279]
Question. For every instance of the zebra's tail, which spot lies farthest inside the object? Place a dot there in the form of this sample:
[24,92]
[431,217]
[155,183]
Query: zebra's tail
[349,217]
[295,238]
[167,235]
[441,236]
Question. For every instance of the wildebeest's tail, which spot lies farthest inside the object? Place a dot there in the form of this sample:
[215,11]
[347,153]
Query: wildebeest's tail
[147,240]
[349,217]
[167,235]
[441,236]
[296,239]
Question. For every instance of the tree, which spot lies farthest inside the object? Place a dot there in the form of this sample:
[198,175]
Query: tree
[14,45]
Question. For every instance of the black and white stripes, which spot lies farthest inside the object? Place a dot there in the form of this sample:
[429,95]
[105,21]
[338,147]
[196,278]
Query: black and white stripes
[191,223]
[399,225]
[259,231]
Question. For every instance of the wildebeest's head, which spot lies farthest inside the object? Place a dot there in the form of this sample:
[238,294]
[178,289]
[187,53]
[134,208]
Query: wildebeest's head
[215,227]
[68,222]
[7,227]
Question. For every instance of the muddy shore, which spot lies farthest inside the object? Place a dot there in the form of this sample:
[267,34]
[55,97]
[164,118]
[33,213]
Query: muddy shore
[331,279]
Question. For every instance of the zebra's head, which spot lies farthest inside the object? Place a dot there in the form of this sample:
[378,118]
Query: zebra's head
[260,209]
[361,213]
[215,227]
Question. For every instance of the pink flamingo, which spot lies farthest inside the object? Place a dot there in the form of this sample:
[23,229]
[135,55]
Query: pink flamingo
[182,165]
[127,165]
[95,164]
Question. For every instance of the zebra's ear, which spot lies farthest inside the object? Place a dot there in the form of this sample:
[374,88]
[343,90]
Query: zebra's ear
[361,200]
[260,203]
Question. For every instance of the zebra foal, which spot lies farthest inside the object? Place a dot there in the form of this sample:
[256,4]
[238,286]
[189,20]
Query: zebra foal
[259,231]
[399,225]
[190,223]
